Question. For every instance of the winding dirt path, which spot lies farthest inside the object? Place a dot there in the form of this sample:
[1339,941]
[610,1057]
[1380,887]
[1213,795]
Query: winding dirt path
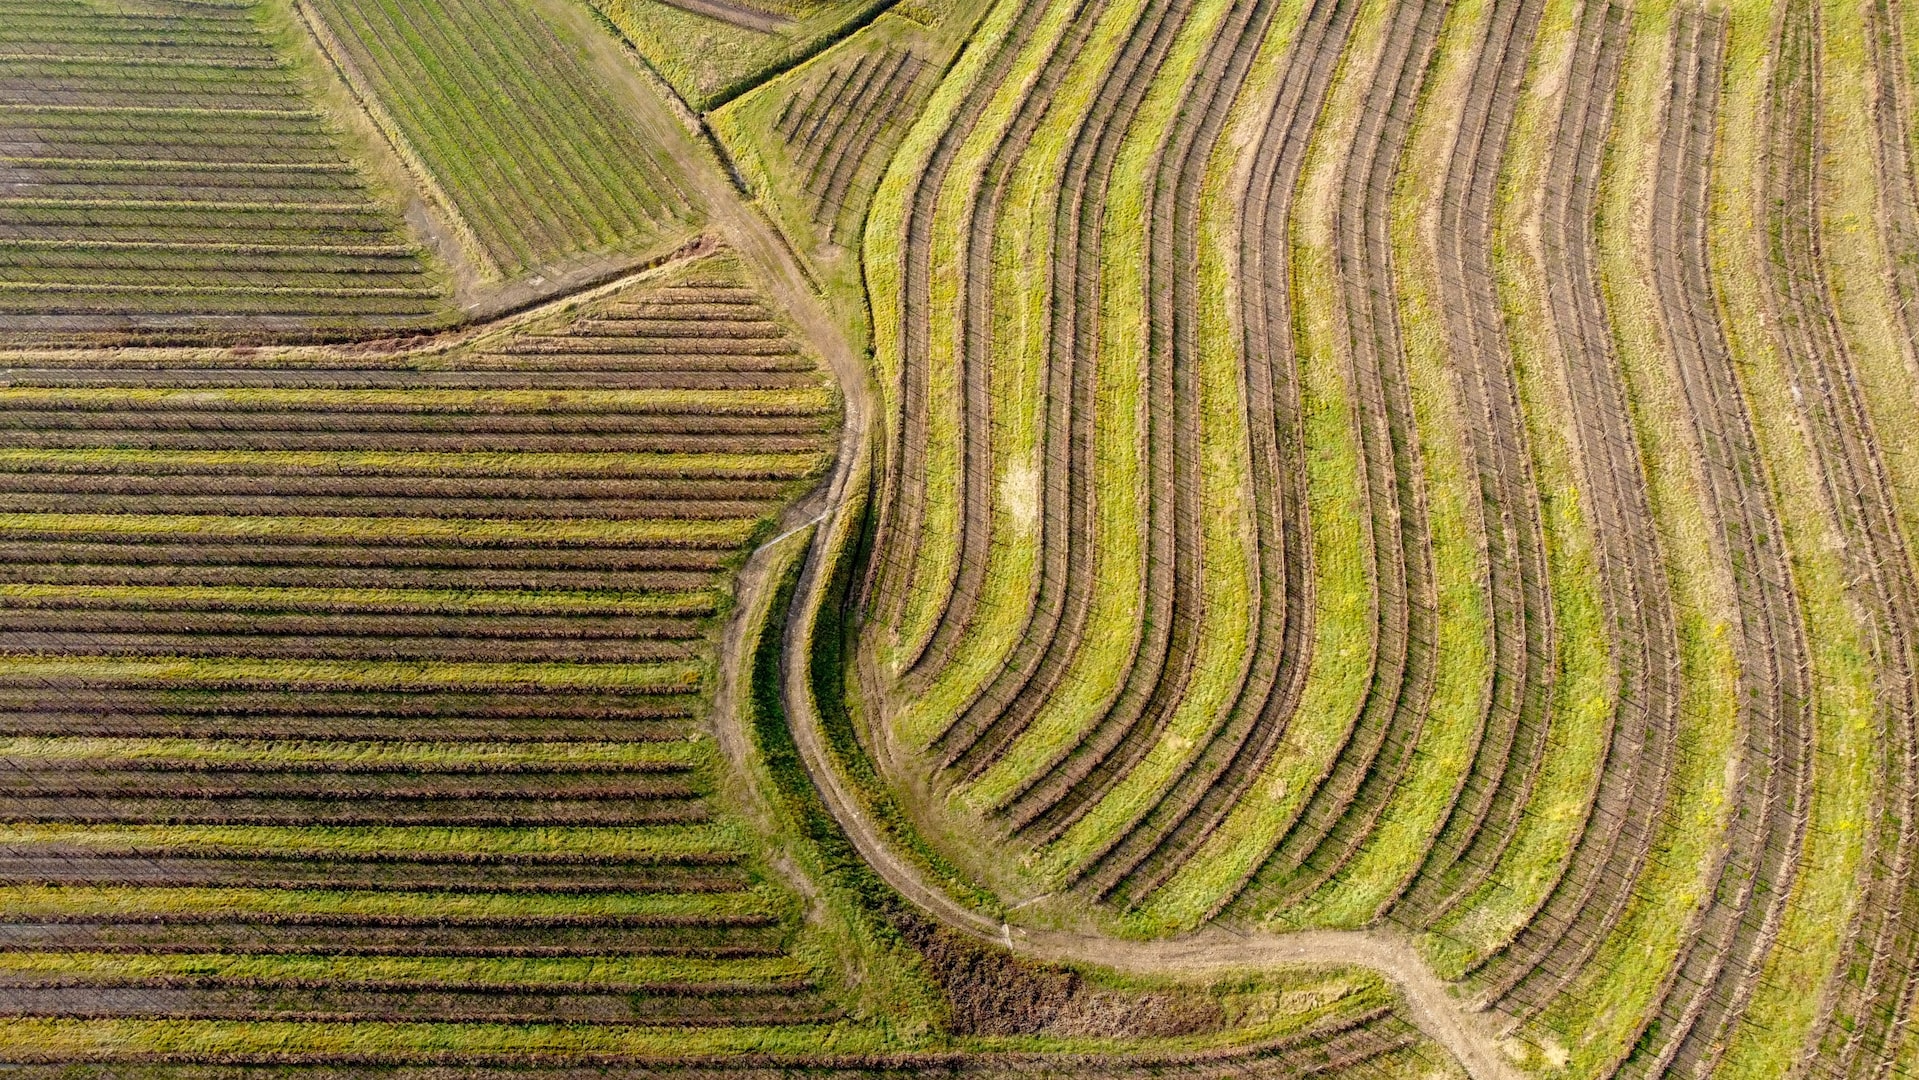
[1428,1003]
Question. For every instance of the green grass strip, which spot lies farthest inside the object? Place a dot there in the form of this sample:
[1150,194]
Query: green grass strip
[695,602]
[49,749]
[367,462]
[16,670]
[726,533]
[324,841]
[108,901]
[503,971]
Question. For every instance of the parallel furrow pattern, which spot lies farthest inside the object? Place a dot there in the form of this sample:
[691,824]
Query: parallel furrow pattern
[371,693]
[163,169]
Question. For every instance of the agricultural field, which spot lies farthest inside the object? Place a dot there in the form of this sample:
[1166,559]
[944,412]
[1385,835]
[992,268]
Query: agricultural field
[1419,471]
[161,167]
[521,129]
[341,690]
[1363,539]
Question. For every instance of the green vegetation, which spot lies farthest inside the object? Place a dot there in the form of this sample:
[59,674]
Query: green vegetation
[459,82]
[1355,539]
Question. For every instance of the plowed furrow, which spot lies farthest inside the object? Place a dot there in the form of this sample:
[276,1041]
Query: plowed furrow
[1594,885]
[1193,806]
[1509,743]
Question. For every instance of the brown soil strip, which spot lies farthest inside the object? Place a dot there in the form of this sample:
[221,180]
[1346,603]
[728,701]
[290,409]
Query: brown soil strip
[1510,742]
[1596,882]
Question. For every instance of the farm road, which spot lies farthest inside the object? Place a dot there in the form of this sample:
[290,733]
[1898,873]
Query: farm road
[1428,1002]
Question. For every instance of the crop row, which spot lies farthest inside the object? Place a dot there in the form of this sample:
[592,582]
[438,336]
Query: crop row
[842,123]
[1193,806]
[1377,746]
[1511,740]
[344,1003]
[980,731]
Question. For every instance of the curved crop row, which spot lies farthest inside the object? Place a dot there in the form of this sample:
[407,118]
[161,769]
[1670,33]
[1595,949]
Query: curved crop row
[1378,743]
[1158,844]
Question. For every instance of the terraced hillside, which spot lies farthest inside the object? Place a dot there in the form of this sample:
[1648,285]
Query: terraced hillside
[1422,470]
[162,168]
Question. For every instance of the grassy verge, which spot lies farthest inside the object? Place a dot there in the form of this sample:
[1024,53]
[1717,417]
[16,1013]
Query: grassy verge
[868,953]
